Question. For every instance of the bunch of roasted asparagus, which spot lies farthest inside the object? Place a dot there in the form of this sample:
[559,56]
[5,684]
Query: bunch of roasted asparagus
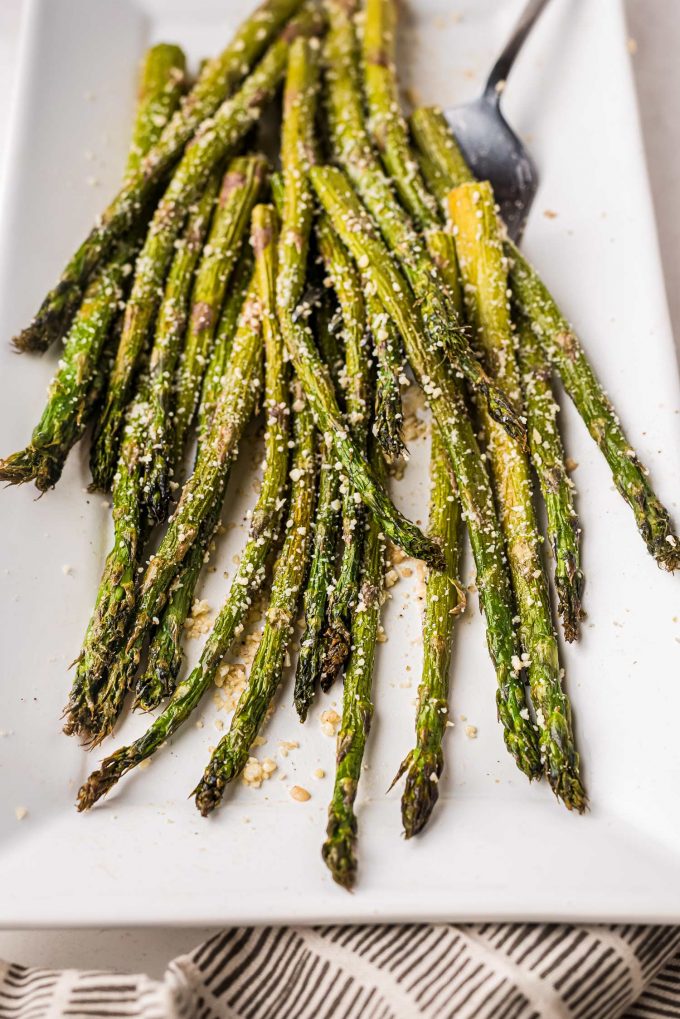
[306,293]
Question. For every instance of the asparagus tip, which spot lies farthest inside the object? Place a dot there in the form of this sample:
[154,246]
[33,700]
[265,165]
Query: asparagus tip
[667,553]
[51,320]
[562,763]
[93,788]
[387,431]
[30,464]
[152,689]
[525,752]
[208,793]
[423,770]
[307,677]
[569,591]
[31,340]
[337,649]
[339,855]
[568,788]
[504,413]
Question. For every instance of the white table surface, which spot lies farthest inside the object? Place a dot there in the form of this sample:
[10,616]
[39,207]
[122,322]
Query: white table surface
[655,28]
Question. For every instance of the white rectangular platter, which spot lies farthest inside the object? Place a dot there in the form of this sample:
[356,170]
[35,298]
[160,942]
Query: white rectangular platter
[497,848]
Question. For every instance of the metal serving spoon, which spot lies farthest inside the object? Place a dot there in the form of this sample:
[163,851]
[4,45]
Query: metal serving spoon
[490,146]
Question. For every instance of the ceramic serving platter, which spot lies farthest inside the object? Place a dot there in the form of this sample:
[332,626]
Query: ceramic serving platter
[497,847]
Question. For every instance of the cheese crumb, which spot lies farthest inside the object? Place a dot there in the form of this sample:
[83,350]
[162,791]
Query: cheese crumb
[20,813]
[286,745]
[256,772]
[330,722]
[319,773]
[391,578]
[300,794]
[471,731]
[199,621]
[231,682]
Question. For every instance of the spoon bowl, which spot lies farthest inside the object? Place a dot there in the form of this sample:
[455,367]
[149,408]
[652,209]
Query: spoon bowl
[490,146]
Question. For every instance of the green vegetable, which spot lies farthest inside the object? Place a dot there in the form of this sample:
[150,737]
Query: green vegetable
[383,279]
[548,458]
[162,81]
[357,388]
[445,600]
[340,848]
[481,260]
[231,754]
[69,399]
[264,531]
[445,168]
[353,151]
[217,81]
[215,141]
[241,187]
[159,461]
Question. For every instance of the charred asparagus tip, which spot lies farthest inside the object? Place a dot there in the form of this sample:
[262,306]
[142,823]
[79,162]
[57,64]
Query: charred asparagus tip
[339,853]
[423,770]
[208,793]
[569,592]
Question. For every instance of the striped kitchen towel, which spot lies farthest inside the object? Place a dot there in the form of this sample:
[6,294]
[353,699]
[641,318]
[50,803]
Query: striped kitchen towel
[485,971]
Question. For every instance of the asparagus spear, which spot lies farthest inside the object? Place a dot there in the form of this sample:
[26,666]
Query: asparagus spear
[201,497]
[165,654]
[339,849]
[439,157]
[547,456]
[390,135]
[481,260]
[352,148]
[162,82]
[318,387]
[217,451]
[87,712]
[309,367]
[383,279]
[297,152]
[69,399]
[389,414]
[226,329]
[109,674]
[212,145]
[389,132]
[240,190]
[385,122]
[165,649]
[357,371]
[158,464]
[445,168]
[231,754]
[569,359]
[292,195]
[445,600]
[322,567]
[264,529]
[218,79]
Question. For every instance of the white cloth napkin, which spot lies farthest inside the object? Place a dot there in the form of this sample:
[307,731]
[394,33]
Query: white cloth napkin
[483,971]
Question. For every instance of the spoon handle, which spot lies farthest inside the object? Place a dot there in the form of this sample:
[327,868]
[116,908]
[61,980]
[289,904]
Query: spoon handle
[501,69]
